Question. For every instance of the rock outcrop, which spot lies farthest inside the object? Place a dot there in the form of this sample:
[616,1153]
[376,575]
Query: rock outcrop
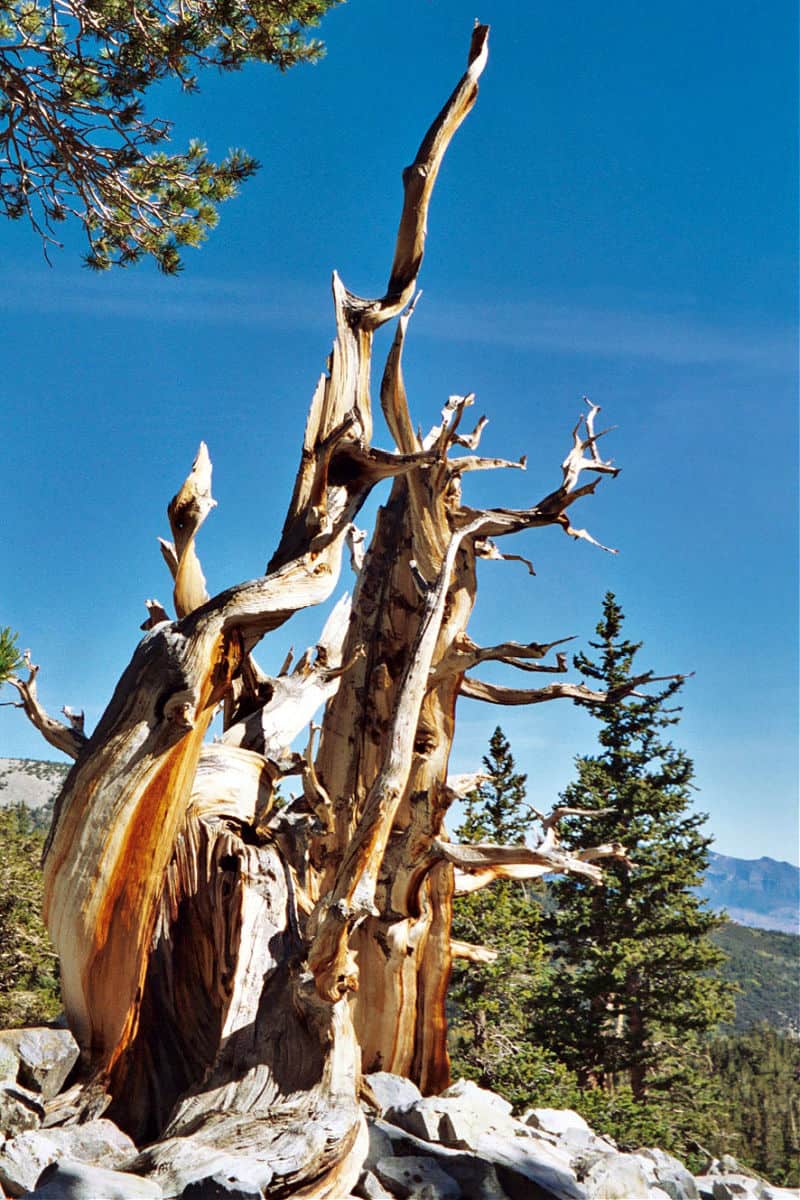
[464,1144]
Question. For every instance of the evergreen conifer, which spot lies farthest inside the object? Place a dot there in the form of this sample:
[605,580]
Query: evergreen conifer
[631,986]
[490,1003]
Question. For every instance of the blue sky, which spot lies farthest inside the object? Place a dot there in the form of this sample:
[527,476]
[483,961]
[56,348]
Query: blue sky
[616,218]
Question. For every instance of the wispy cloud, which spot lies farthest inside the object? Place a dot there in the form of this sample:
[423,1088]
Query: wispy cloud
[198,300]
[613,332]
[636,330]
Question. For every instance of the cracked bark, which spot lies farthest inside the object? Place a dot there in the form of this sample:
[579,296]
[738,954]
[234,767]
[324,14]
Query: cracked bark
[228,969]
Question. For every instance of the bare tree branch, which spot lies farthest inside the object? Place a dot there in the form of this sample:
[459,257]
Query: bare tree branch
[69,739]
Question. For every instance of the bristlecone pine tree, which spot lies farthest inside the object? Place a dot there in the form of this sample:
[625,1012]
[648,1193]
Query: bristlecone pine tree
[630,990]
[227,969]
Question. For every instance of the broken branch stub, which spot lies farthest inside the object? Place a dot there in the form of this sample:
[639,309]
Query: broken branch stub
[209,937]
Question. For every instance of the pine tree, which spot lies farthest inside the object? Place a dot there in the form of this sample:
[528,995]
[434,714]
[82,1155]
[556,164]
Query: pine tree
[490,1003]
[74,137]
[631,988]
[10,657]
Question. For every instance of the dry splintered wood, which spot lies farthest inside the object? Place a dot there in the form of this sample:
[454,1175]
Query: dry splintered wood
[231,964]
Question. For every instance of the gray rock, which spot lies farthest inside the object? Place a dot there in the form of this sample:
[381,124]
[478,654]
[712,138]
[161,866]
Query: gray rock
[177,1162]
[705,1186]
[380,1145]
[23,1159]
[671,1175]
[78,1181]
[9,1062]
[733,1186]
[466,1089]
[392,1091]
[457,1120]
[522,1158]
[46,1057]
[619,1177]
[20,1110]
[222,1187]
[477,1179]
[584,1149]
[515,1181]
[555,1120]
[417,1178]
[369,1187]
[740,1185]
[461,1129]
[402,1143]
[97,1143]
[421,1118]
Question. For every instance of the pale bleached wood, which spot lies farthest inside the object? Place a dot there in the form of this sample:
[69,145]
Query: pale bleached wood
[126,821]
[292,700]
[465,951]
[353,893]
[477,689]
[187,511]
[69,739]
[208,941]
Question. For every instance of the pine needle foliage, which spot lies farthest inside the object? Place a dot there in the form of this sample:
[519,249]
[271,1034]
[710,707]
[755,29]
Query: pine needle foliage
[29,990]
[489,1003]
[632,985]
[75,140]
[10,657]
[759,1072]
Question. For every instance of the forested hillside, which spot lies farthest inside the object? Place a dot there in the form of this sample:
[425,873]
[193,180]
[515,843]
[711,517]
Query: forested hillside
[765,965]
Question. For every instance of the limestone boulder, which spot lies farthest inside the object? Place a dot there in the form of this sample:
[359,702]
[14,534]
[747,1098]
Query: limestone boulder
[381,1145]
[9,1059]
[369,1187]
[221,1186]
[67,1180]
[45,1057]
[555,1120]
[523,1160]
[670,1174]
[465,1089]
[97,1143]
[392,1091]
[584,1148]
[617,1177]
[414,1177]
[20,1109]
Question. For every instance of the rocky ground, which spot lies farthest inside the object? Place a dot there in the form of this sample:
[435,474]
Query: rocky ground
[462,1145]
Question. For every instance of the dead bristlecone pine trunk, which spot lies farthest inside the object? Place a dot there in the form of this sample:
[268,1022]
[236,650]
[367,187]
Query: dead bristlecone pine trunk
[229,969]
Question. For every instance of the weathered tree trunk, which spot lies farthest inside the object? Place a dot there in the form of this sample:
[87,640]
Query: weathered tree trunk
[227,969]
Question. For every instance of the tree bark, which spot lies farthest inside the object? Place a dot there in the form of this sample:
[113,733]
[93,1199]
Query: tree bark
[229,969]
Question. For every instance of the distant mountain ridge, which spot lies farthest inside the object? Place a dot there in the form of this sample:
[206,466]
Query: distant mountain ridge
[762,893]
[33,783]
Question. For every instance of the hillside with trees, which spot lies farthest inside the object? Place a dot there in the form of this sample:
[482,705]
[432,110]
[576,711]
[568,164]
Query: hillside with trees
[764,967]
[29,989]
